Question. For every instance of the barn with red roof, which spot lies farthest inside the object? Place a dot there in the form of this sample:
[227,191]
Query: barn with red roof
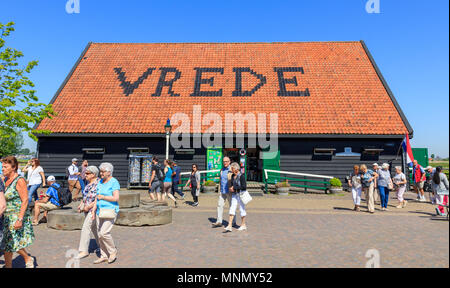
[326,104]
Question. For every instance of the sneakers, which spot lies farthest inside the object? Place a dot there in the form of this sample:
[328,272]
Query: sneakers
[242,228]
[100,260]
[112,258]
[195,204]
[423,199]
[228,229]
[399,206]
[216,225]
[30,263]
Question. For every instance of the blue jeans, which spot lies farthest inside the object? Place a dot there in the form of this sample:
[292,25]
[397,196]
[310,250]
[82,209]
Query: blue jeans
[32,192]
[175,189]
[384,195]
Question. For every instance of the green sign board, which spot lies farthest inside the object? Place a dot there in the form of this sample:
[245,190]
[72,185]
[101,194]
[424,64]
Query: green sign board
[214,162]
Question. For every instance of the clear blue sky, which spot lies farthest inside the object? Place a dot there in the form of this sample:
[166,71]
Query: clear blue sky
[409,40]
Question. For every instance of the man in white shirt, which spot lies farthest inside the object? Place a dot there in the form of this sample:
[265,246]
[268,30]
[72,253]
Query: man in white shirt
[74,184]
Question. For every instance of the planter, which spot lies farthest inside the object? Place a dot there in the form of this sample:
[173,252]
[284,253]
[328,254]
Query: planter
[283,191]
[334,190]
[209,189]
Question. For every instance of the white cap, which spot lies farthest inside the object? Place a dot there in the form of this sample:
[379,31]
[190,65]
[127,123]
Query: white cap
[51,178]
[375,164]
[74,160]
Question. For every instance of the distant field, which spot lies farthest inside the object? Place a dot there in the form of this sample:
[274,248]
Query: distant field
[442,164]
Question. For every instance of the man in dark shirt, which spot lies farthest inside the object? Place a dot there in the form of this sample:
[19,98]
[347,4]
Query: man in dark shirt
[176,180]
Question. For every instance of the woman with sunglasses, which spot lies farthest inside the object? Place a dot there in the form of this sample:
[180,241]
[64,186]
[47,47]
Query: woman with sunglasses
[86,206]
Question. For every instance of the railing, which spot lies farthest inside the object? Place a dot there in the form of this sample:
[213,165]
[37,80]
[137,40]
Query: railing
[275,176]
[204,176]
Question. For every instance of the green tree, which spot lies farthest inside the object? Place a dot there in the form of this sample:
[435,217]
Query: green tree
[19,107]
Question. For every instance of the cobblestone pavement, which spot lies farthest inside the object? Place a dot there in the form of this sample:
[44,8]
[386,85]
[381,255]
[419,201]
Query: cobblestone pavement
[297,231]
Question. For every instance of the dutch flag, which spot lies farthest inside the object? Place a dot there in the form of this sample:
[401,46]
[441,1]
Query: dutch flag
[407,148]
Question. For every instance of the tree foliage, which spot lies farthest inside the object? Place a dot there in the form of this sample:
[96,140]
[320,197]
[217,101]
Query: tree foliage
[19,106]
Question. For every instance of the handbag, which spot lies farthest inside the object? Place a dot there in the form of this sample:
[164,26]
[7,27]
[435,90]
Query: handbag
[245,197]
[390,185]
[107,213]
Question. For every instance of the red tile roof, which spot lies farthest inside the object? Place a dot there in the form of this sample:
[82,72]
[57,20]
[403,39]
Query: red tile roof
[344,93]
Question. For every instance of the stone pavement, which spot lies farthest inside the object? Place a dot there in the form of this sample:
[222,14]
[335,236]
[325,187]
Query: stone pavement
[301,230]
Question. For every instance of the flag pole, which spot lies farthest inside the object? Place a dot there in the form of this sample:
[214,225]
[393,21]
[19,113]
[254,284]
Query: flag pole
[398,152]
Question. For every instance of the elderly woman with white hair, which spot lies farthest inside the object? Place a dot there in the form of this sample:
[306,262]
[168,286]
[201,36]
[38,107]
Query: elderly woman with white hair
[239,185]
[384,183]
[105,212]
[87,206]
[400,185]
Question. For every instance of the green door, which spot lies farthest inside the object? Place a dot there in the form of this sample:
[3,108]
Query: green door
[421,155]
[271,161]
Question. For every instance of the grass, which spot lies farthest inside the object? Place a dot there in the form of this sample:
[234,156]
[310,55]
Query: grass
[443,164]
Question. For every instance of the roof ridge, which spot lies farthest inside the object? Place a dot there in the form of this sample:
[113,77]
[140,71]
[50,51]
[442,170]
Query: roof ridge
[178,43]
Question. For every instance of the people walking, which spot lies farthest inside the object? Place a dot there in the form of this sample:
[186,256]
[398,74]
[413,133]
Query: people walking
[18,232]
[176,180]
[86,207]
[194,182]
[82,177]
[224,193]
[441,190]
[376,191]
[49,202]
[384,181]
[73,179]
[105,212]
[355,183]
[239,185]
[156,179]
[419,177]
[400,186]
[167,183]
[35,178]
[368,179]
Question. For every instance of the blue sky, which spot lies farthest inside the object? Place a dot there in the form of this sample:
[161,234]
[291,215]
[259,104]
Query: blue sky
[409,40]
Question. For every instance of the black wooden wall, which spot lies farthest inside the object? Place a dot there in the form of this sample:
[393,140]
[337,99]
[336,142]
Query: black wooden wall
[55,154]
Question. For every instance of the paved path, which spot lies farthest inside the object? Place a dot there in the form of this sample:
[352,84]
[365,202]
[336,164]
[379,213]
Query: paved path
[297,231]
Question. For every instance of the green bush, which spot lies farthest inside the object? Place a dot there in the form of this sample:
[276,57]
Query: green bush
[282,184]
[335,182]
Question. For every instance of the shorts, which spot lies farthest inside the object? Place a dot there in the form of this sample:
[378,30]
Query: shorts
[419,184]
[48,206]
[156,187]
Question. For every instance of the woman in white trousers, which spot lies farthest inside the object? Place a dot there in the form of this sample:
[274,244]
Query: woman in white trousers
[86,206]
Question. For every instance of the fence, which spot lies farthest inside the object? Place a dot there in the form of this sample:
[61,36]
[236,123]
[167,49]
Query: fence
[301,180]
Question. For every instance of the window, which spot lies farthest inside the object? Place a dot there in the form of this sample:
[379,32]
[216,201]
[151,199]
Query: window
[134,150]
[323,154]
[93,150]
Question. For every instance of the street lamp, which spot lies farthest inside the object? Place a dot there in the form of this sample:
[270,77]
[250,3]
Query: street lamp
[168,129]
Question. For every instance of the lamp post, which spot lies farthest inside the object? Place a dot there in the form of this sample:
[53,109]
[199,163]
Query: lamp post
[168,129]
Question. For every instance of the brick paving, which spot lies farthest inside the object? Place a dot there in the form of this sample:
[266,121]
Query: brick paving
[297,231]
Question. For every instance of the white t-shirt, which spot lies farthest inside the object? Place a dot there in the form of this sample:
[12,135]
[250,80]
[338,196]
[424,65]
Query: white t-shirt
[399,178]
[72,170]
[34,176]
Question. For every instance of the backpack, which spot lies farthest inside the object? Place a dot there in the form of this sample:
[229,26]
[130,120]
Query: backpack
[159,172]
[64,196]
[67,172]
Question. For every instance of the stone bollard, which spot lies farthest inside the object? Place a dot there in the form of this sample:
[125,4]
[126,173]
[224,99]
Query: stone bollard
[146,215]
[129,199]
[65,219]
